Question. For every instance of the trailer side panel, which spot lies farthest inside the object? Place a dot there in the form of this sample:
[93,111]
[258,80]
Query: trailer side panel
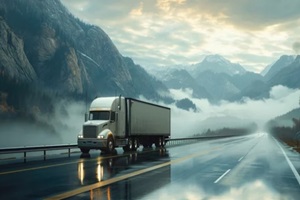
[148,119]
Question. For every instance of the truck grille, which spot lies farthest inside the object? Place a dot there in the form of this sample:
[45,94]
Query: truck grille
[90,131]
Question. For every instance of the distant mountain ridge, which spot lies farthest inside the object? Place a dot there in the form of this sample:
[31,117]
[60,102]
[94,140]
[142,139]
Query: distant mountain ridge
[229,81]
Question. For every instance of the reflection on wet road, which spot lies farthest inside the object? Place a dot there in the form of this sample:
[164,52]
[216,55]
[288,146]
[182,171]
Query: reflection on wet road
[249,167]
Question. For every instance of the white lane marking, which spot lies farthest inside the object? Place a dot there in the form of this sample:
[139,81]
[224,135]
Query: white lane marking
[222,176]
[290,163]
[241,158]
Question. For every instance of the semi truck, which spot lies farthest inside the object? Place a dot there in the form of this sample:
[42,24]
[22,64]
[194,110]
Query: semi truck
[124,122]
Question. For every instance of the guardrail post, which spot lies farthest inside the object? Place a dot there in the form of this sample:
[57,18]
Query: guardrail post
[44,155]
[69,152]
[24,156]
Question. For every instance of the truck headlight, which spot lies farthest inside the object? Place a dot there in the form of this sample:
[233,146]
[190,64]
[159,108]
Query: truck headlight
[100,137]
[80,136]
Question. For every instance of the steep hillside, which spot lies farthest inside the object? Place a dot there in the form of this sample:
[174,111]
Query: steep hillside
[280,64]
[56,55]
[288,76]
[286,119]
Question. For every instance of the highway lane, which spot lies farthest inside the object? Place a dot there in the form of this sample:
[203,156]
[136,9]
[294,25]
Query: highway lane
[230,168]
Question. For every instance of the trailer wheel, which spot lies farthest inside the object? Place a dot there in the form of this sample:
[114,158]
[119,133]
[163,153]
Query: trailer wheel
[130,144]
[158,142]
[163,142]
[110,144]
[84,150]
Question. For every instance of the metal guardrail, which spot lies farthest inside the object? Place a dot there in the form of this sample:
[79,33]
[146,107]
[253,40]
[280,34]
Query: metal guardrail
[45,148]
[182,141]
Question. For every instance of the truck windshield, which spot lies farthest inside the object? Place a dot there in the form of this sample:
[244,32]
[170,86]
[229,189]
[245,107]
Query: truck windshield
[99,115]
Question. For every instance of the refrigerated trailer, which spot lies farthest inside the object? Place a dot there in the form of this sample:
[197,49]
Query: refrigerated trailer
[124,122]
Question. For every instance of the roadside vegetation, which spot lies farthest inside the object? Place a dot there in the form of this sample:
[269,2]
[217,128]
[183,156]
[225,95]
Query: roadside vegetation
[288,135]
[229,131]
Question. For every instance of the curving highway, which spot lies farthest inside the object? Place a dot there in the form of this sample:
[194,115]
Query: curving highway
[246,167]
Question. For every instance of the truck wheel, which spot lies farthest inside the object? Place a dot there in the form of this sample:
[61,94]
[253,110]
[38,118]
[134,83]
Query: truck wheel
[110,144]
[84,150]
[135,144]
[129,146]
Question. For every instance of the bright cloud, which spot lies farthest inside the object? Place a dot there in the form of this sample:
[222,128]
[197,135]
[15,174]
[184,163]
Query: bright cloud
[169,32]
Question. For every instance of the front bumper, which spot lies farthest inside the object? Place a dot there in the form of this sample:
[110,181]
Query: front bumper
[91,143]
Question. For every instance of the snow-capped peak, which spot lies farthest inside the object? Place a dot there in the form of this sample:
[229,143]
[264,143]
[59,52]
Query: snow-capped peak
[216,59]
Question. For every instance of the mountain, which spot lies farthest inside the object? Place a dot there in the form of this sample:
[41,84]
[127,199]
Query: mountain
[145,84]
[218,84]
[213,85]
[251,85]
[286,119]
[181,79]
[230,83]
[287,76]
[281,63]
[217,64]
[221,78]
[242,81]
[257,89]
[285,71]
[266,69]
[47,53]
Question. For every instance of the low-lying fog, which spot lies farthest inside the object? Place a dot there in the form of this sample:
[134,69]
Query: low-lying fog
[63,128]
[231,114]
[69,118]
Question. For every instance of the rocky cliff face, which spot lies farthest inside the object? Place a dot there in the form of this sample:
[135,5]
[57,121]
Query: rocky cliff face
[13,60]
[47,48]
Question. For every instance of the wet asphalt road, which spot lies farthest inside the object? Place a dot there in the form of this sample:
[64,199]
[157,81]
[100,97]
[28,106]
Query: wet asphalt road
[247,167]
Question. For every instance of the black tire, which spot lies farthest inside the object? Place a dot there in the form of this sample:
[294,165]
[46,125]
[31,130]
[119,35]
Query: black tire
[163,142]
[125,148]
[84,150]
[148,144]
[135,144]
[129,146]
[110,146]
[158,142]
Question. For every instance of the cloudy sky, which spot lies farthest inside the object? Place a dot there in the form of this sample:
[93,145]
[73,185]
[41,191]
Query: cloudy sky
[156,33]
